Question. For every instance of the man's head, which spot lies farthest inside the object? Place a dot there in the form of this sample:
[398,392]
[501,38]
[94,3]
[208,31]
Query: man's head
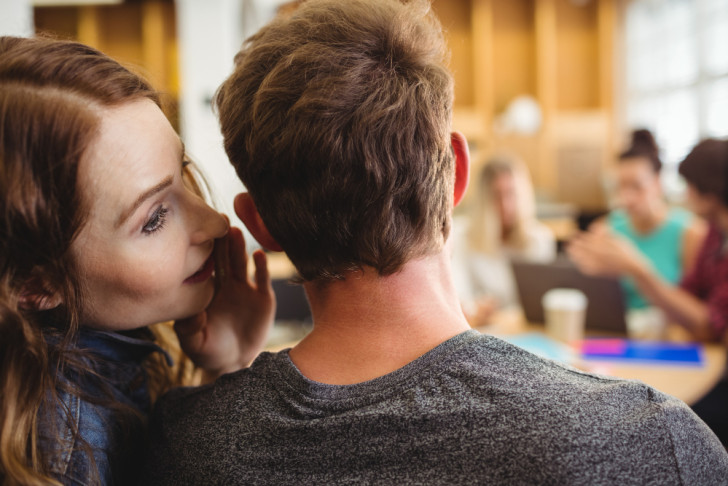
[337,119]
[705,169]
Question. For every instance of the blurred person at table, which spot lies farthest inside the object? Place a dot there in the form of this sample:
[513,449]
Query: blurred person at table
[500,226]
[669,237]
[700,302]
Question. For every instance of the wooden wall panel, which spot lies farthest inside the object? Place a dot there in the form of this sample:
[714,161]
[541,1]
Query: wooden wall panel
[60,22]
[455,16]
[514,63]
[577,55]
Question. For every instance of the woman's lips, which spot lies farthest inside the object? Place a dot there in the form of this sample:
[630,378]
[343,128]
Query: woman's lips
[203,273]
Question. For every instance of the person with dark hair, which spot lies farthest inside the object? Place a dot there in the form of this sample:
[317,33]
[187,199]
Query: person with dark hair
[338,120]
[669,237]
[104,234]
[700,302]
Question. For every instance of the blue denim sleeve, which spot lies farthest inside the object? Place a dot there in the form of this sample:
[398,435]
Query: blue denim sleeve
[104,451]
[78,462]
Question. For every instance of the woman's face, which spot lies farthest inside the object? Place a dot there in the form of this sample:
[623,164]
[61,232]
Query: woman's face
[704,205]
[145,252]
[506,199]
[638,187]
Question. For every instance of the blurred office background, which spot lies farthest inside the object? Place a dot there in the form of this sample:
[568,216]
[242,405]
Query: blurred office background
[557,82]
[184,47]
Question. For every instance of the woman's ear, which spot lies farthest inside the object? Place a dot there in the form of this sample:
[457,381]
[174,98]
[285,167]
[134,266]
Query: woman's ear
[35,296]
[462,165]
[248,214]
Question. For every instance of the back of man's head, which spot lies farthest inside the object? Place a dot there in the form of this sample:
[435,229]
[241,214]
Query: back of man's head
[337,119]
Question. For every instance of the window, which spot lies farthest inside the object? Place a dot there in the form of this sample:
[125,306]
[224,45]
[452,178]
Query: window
[677,75]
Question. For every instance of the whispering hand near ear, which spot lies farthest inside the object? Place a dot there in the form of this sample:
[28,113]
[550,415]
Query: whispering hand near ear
[231,332]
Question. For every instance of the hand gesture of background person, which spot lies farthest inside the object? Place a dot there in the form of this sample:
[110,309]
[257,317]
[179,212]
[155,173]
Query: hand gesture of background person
[602,253]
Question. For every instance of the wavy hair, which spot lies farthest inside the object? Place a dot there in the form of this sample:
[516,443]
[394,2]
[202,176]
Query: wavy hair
[50,95]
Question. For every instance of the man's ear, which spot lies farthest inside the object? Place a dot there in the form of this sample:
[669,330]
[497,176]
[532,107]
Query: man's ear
[462,165]
[36,297]
[248,214]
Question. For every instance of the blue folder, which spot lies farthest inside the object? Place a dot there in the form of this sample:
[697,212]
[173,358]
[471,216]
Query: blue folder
[627,350]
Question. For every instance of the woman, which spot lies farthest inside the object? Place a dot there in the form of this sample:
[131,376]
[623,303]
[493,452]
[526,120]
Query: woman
[669,237]
[502,226]
[700,302]
[103,234]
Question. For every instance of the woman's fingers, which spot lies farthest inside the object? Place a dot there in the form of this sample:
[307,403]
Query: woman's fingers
[222,258]
[262,276]
[190,333]
[237,255]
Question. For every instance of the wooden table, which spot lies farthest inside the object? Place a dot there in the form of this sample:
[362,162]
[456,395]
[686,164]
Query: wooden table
[688,383]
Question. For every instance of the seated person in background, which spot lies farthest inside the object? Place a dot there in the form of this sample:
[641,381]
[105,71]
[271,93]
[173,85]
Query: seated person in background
[700,302]
[668,237]
[501,226]
[338,120]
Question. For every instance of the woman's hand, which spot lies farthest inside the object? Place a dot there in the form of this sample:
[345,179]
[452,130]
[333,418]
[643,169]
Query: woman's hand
[604,254]
[231,332]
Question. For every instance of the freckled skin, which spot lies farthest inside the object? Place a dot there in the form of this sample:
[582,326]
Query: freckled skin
[133,276]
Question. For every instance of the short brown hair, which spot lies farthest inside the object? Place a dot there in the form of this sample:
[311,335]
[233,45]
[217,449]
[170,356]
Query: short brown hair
[706,168]
[337,119]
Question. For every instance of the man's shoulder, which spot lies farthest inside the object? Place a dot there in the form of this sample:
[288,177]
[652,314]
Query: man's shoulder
[528,417]
[192,428]
[484,366]
[514,382]
[541,390]
[219,393]
[604,418]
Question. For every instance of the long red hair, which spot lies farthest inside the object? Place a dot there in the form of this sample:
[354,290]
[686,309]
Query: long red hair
[50,93]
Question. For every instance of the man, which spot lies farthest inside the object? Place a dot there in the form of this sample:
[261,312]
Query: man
[337,119]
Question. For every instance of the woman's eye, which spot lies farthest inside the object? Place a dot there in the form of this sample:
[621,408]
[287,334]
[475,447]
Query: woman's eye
[156,222]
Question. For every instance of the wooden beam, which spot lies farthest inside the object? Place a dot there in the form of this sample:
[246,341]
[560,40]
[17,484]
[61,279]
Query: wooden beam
[153,42]
[484,80]
[88,26]
[546,92]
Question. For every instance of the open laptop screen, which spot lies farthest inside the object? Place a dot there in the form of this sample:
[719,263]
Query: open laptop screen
[605,308]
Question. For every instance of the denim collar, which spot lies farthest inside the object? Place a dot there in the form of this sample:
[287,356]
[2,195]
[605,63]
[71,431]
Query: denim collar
[122,347]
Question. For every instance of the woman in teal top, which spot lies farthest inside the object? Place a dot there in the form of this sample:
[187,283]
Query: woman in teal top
[668,237]
[663,247]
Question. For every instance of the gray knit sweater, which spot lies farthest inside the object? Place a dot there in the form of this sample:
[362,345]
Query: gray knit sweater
[474,410]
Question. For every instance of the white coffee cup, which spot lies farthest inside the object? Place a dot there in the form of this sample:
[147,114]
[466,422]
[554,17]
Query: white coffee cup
[565,314]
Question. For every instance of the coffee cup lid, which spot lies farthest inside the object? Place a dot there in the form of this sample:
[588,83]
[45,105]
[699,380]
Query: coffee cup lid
[562,298]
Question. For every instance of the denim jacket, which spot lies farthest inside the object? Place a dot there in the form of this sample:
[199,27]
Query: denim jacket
[117,450]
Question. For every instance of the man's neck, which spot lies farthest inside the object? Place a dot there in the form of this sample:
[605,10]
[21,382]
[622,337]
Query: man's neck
[367,326]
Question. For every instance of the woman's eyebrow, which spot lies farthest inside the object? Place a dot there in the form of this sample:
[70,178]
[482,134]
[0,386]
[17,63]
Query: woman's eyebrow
[143,197]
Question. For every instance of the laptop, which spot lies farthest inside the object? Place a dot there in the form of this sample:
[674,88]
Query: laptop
[605,311]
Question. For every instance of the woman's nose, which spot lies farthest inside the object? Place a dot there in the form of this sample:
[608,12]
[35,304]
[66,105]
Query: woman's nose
[207,224]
